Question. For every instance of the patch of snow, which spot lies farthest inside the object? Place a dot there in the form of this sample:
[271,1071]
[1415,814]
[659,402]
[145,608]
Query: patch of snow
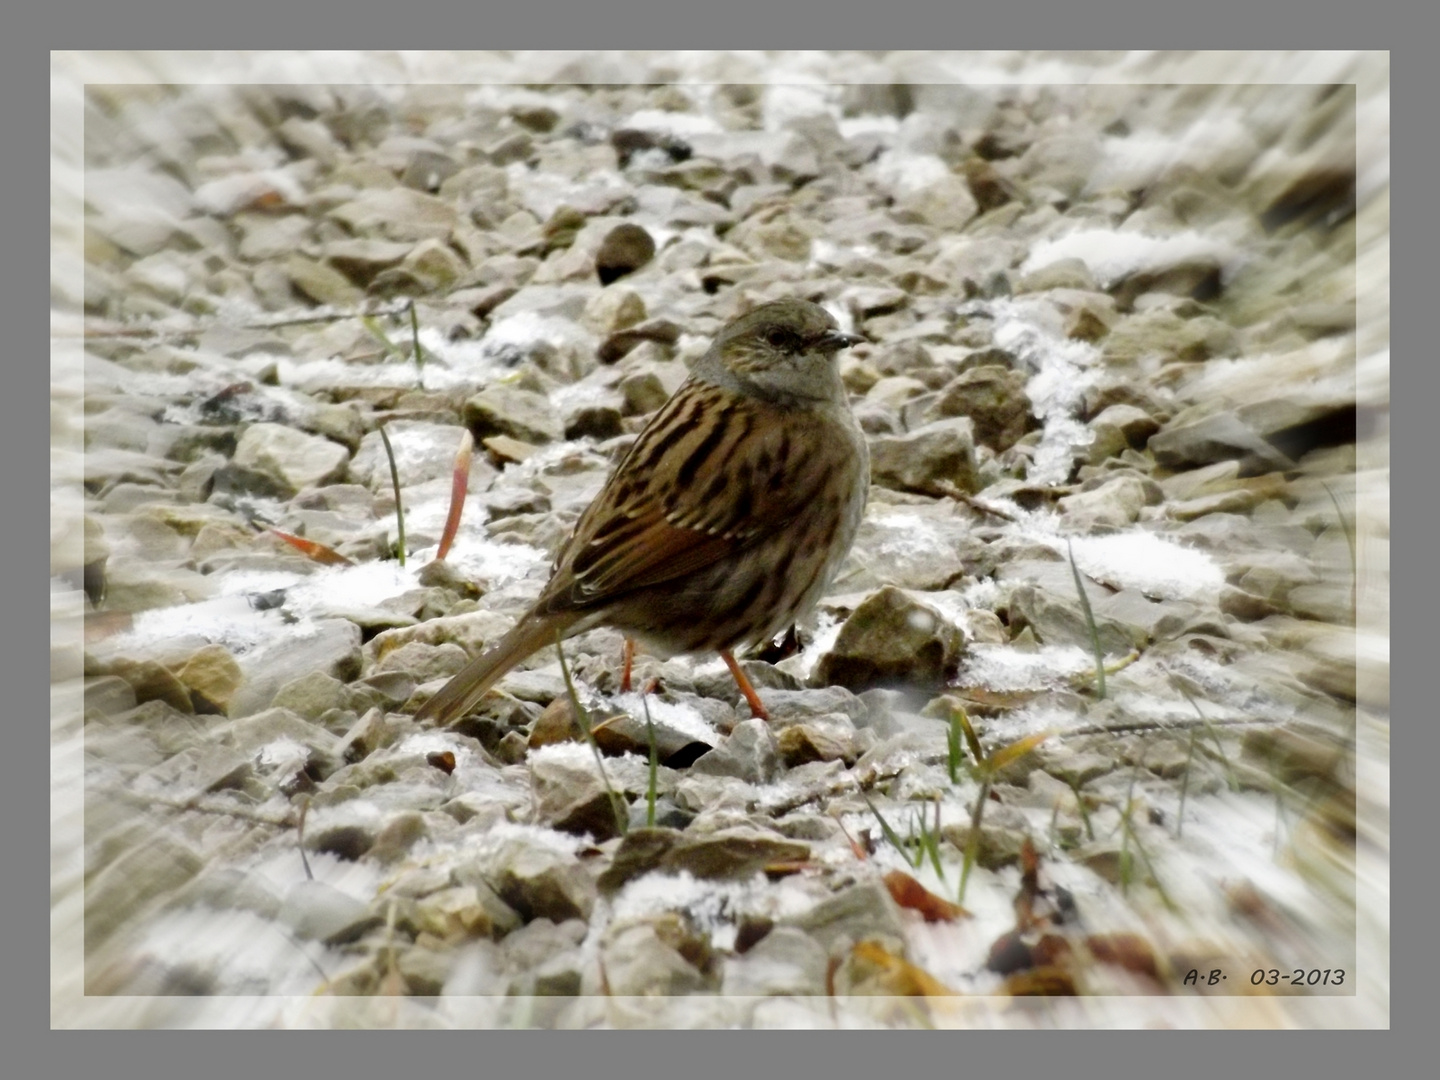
[789,101]
[1113,255]
[678,716]
[850,126]
[1064,369]
[488,561]
[679,124]
[1003,668]
[906,173]
[281,751]
[827,631]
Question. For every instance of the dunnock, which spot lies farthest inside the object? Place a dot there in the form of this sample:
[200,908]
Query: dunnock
[725,521]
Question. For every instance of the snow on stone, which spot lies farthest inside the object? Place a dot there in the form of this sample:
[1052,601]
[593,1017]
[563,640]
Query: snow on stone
[501,833]
[906,173]
[1064,369]
[1005,668]
[438,742]
[1157,567]
[910,535]
[789,101]
[679,124]
[282,751]
[576,755]
[677,716]
[497,564]
[336,587]
[827,631]
[1113,255]
[242,952]
[526,329]
[1136,559]
[714,906]
[229,620]
[851,126]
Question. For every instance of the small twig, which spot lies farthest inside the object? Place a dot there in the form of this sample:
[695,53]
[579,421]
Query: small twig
[947,487]
[395,483]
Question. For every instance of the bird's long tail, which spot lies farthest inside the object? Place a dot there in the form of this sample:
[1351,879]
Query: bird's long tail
[470,683]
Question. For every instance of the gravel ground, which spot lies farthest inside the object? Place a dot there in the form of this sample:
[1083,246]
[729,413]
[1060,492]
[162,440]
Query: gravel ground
[1126,383]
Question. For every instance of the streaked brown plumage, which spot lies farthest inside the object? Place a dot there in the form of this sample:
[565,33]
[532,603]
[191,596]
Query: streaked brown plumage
[727,518]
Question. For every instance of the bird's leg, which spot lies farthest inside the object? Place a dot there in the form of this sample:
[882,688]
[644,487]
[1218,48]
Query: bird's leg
[629,662]
[756,707]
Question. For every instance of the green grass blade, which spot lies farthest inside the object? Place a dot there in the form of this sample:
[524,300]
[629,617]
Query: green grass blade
[953,757]
[395,483]
[617,804]
[1090,623]
[1185,784]
[972,842]
[890,834]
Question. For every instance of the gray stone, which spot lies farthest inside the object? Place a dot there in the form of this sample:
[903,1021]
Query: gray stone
[461,911]
[509,410]
[541,882]
[1154,619]
[425,662]
[424,451]
[945,204]
[572,798]
[1058,620]
[1220,437]
[748,752]
[892,639]
[827,738]
[639,963]
[627,734]
[864,911]
[319,912]
[397,214]
[625,249]
[738,852]
[1111,506]
[927,459]
[793,706]
[640,851]
[123,889]
[291,457]
[321,282]
[311,695]
[109,694]
[331,646]
[785,961]
[995,400]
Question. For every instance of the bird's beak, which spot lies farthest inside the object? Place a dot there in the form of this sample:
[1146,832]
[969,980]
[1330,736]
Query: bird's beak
[834,341]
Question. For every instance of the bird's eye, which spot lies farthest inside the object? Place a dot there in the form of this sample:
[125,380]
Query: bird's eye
[779,339]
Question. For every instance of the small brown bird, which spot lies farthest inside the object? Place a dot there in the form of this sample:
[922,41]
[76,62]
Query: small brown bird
[725,521]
